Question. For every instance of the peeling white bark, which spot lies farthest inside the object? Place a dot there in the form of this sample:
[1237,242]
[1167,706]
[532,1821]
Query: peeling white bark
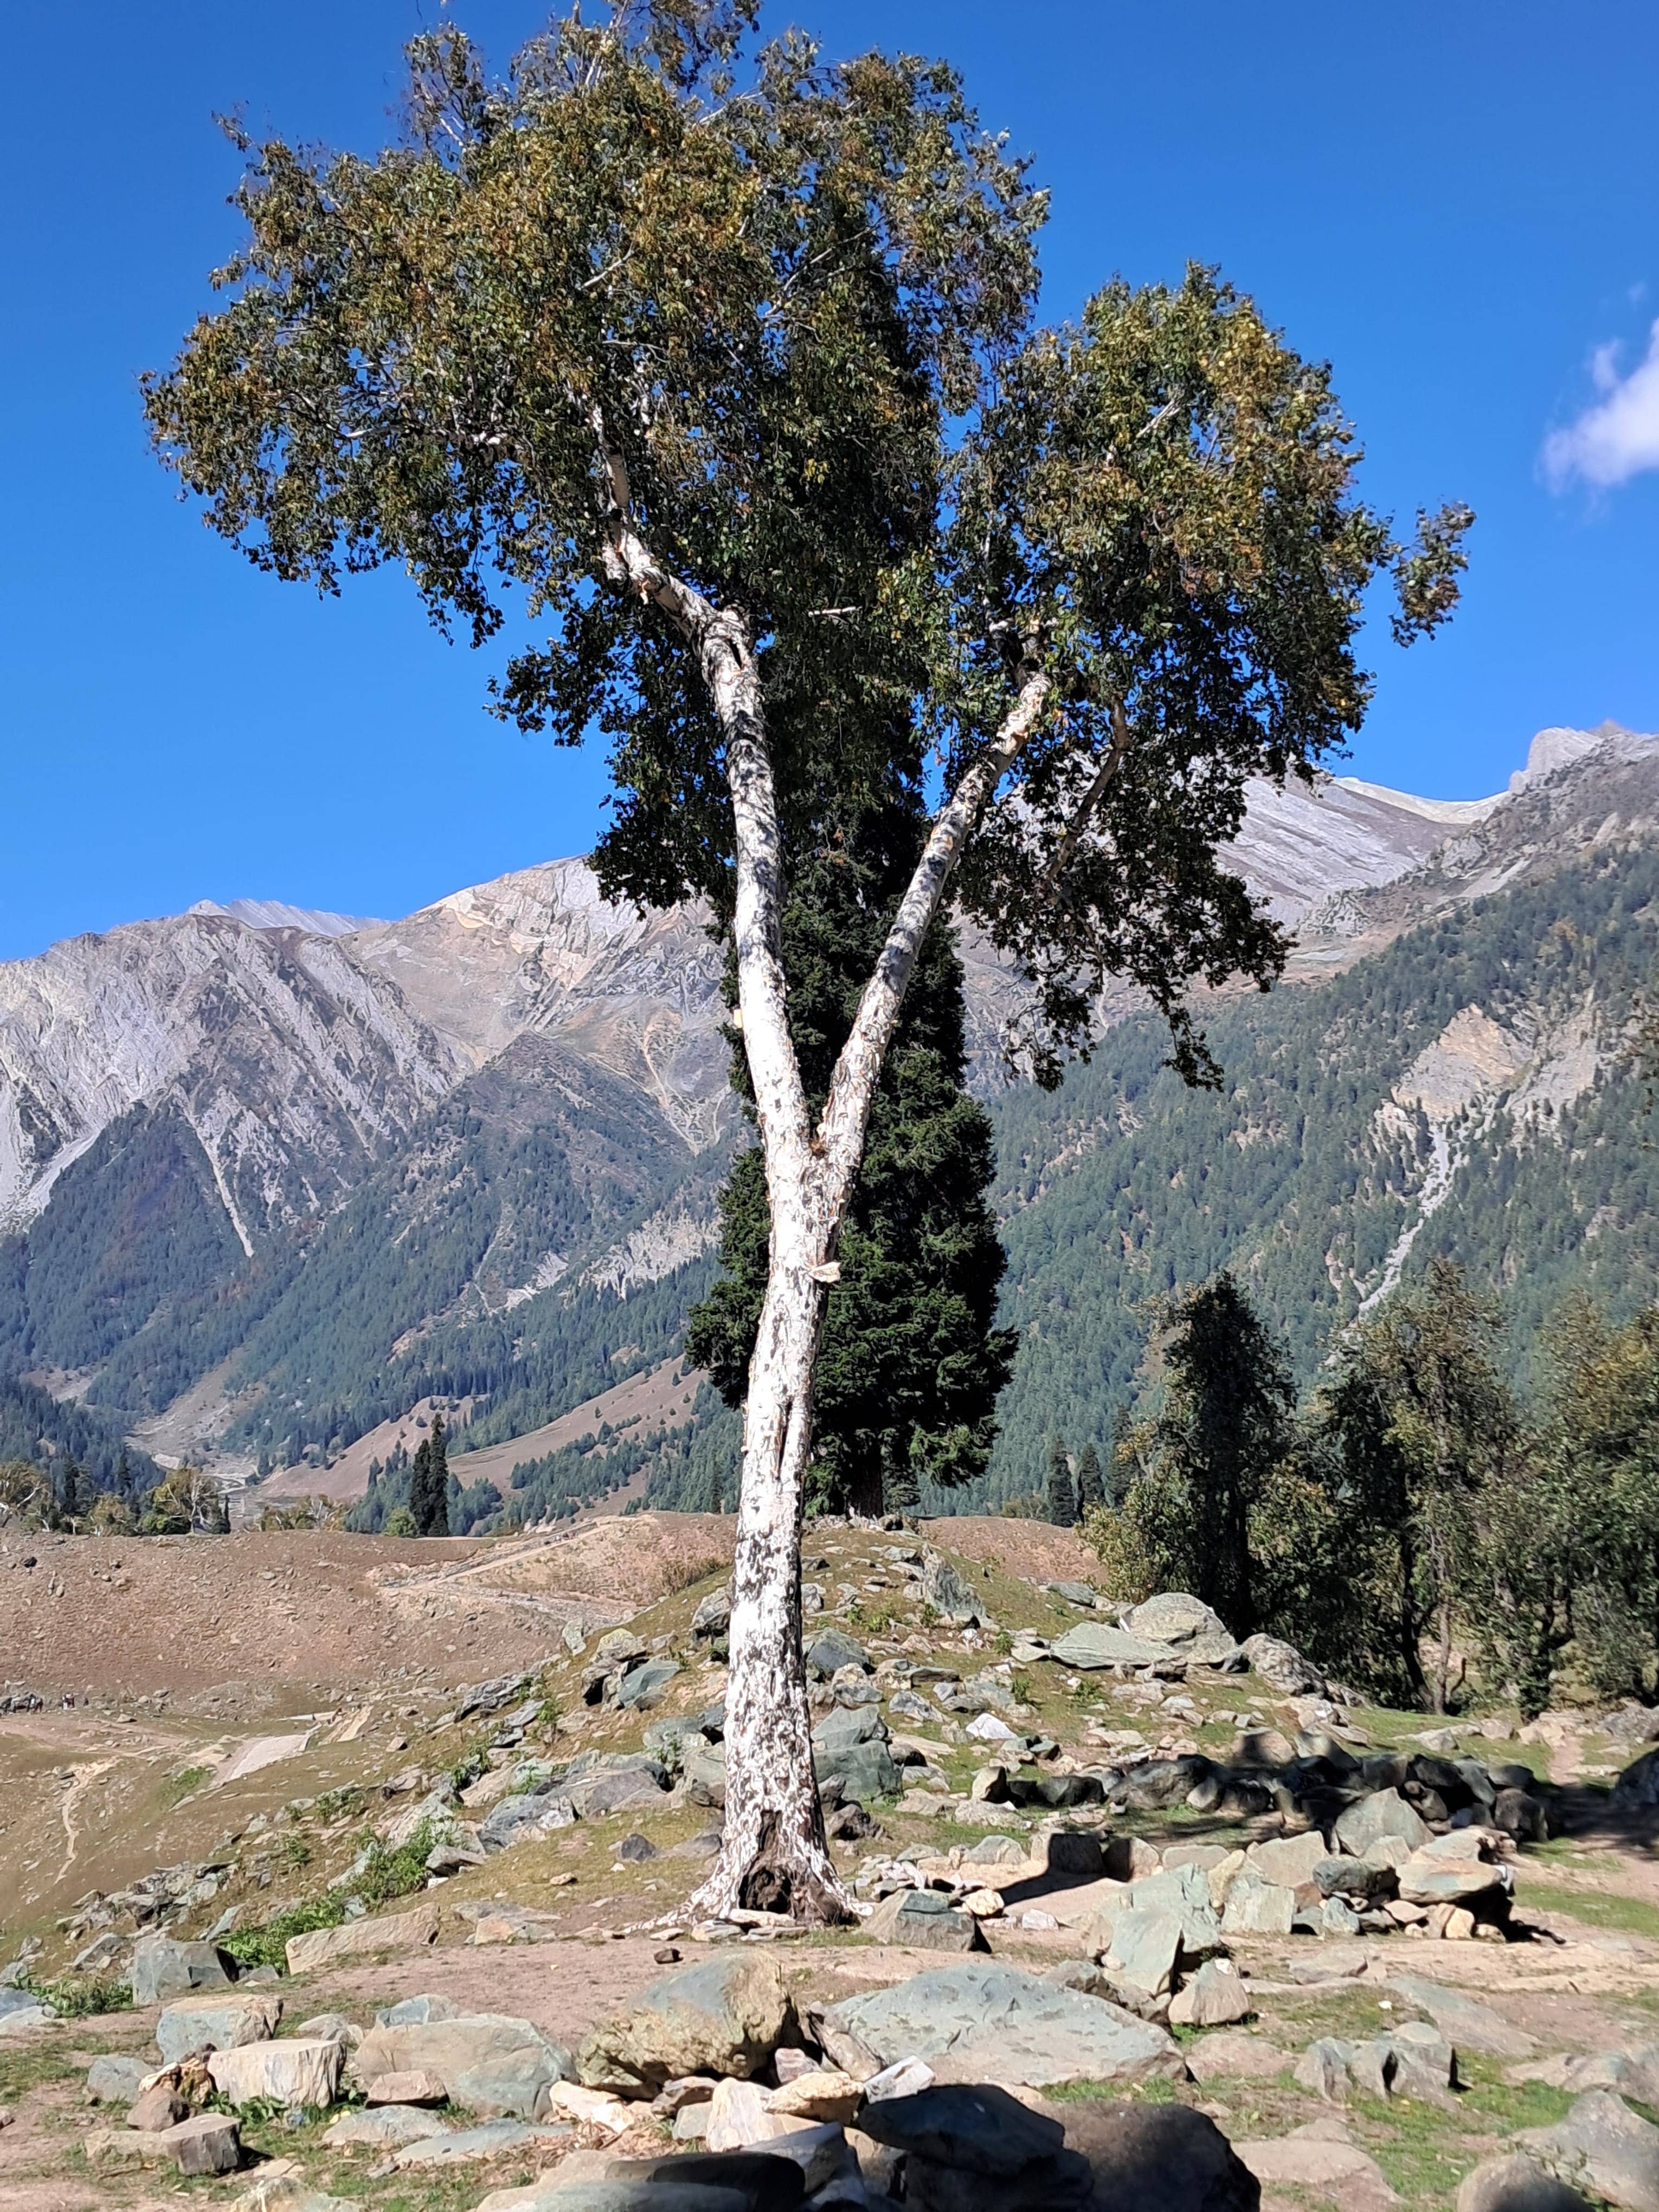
[775,1854]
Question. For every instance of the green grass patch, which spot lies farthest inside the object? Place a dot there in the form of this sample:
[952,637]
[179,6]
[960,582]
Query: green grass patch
[1595,1908]
[1098,2092]
[267,1944]
[179,1786]
[82,1996]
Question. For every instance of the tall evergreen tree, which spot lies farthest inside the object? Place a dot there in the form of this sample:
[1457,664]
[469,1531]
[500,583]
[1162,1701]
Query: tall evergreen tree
[1226,1422]
[1061,1494]
[438,1481]
[1091,1482]
[420,1488]
[911,1361]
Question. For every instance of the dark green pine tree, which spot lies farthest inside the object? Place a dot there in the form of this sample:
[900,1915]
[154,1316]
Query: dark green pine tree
[437,1482]
[1061,1493]
[69,1495]
[912,1361]
[420,1488]
[1091,1482]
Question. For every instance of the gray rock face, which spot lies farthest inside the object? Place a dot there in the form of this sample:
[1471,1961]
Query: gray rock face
[844,1725]
[830,1649]
[1145,1947]
[1427,1881]
[1384,1813]
[510,1820]
[1215,1998]
[974,2148]
[725,2016]
[386,2127]
[488,2062]
[1282,1667]
[714,1615]
[1173,1617]
[1182,1892]
[1288,1860]
[216,2023]
[944,1588]
[643,1686]
[162,1968]
[114,2079]
[1163,2156]
[1255,1907]
[924,1918]
[863,1770]
[1603,2147]
[997,2023]
[1095,1643]
[703,1772]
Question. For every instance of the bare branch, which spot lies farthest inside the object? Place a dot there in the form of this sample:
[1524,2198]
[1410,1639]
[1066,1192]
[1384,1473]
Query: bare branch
[1096,791]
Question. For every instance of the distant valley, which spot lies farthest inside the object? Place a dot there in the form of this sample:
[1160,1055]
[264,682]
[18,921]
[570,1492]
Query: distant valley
[269,1178]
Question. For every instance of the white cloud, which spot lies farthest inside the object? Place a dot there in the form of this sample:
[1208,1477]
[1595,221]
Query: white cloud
[1617,438]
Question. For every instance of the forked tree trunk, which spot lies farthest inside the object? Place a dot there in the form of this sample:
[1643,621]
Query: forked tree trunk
[774,1854]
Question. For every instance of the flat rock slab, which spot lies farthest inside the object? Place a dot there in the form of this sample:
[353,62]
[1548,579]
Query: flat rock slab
[361,1938]
[1094,1643]
[466,2146]
[488,2062]
[385,2127]
[1301,2162]
[997,2023]
[1464,2020]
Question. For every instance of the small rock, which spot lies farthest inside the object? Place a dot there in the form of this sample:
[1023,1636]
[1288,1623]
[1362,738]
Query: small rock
[924,1919]
[216,2023]
[115,2079]
[210,2142]
[825,2094]
[1215,1996]
[418,2087]
[157,2107]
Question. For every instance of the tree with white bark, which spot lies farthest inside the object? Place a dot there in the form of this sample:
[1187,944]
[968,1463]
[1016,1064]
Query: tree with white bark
[726,361]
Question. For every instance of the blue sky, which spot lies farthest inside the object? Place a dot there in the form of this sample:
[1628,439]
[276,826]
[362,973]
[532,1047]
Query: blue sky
[1457,206]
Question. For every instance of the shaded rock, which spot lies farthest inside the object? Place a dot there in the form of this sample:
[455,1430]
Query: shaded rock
[290,2073]
[767,2181]
[1520,1814]
[1603,2147]
[823,2094]
[488,2062]
[997,2023]
[162,1968]
[1166,2156]
[925,1918]
[1214,1997]
[1077,1854]
[974,2148]
[1384,1813]
[216,2023]
[725,2016]
[830,1649]
[1512,2184]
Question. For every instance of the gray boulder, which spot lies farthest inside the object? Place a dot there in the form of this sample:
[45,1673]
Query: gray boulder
[1255,1907]
[1384,1813]
[830,1649]
[488,2062]
[1637,1790]
[725,2016]
[1175,1617]
[216,2023]
[863,1770]
[997,2023]
[925,1918]
[1603,2147]
[643,1686]
[1159,2158]
[844,1725]
[1181,1891]
[1096,1643]
[703,1772]
[114,2078]
[1215,1998]
[974,2148]
[1282,1667]
[1078,1594]
[944,1588]
[712,1617]
[1464,2020]
[162,1968]
[511,1818]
